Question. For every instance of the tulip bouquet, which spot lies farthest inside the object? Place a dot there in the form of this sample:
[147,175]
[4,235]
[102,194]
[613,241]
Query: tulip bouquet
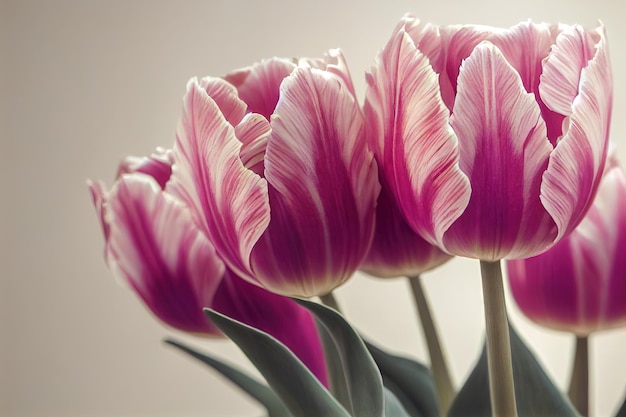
[472,141]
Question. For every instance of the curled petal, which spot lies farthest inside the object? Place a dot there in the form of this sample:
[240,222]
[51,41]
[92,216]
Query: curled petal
[98,197]
[158,166]
[503,151]
[577,162]
[156,248]
[409,132]
[279,316]
[226,98]
[322,188]
[259,85]
[573,50]
[334,63]
[228,201]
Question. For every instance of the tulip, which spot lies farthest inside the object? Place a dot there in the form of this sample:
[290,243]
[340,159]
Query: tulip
[493,142]
[477,130]
[152,243]
[579,285]
[286,195]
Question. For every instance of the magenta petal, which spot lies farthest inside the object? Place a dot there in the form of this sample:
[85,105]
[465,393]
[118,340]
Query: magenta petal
[504,151]
[397,250]
[259,85]
[253,132]
[577,162]
[228,201]
[322,188]
[408,129]
[579,285]
[158,165]
[279,316]
[226,97]
[335,63]
[155,247]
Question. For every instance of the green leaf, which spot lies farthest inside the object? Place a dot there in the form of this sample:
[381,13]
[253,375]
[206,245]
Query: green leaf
[260,392]
[535,393]
[410,381]
[622,410]
[393,407]
[290,379]
[354,378]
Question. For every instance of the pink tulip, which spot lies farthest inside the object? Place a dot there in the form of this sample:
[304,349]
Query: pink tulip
[396,249]
[493,141]
[152,243]
[286,195]
[579,285]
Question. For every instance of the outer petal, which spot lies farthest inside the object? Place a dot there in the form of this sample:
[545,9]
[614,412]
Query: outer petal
[156,248]
[228,201]
[334,63]
[323,188]
[158,166]
[576,165]
[396,249]
[414,145]
[504,152]
[579,285]
[279,316]
[259,85]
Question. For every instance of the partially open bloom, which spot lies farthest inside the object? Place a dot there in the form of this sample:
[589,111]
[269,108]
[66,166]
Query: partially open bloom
[397,250]
[152,243]
[493,141]
[287,202]
[579,285]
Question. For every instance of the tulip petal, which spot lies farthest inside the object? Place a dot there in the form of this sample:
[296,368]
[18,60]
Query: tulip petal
[396,250]
[158,165]
[279,316]
[98,193]
[228,201]
[322,188]
[560,80]
[335,63]
[577,163]
[259,85]
[504,151]
[157,249]
[409,131]
[253,132]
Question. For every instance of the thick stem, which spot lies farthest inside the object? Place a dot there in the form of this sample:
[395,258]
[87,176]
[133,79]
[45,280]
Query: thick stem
[498,342]
[330,301]
[438,363]
[579,385]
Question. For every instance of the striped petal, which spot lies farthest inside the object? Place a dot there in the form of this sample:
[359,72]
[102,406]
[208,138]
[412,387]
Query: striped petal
[279,316]
[335,63]
[228,201]
[322,188]
[409,132]
[577,162]
[158,165]
[155,247]
[503,151]
[579,285]
[259,85]
[397,250]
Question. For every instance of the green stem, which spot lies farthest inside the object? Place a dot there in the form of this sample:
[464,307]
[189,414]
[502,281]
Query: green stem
[438,362]
[330,301]
[498,342]
[579,384]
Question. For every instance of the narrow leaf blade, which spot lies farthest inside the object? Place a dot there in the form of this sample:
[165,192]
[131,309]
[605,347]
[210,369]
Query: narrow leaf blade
[296,386]
[260,392]
[535,393]
[357,383]
[410,381]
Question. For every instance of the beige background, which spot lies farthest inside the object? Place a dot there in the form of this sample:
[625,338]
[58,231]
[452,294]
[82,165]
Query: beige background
[86,82]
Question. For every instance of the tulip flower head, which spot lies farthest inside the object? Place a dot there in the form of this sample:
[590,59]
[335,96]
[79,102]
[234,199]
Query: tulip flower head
[579,285]
[153,244]
[493,141]
[287,195]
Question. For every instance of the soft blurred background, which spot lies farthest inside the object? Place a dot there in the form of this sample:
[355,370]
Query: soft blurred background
[84,83]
